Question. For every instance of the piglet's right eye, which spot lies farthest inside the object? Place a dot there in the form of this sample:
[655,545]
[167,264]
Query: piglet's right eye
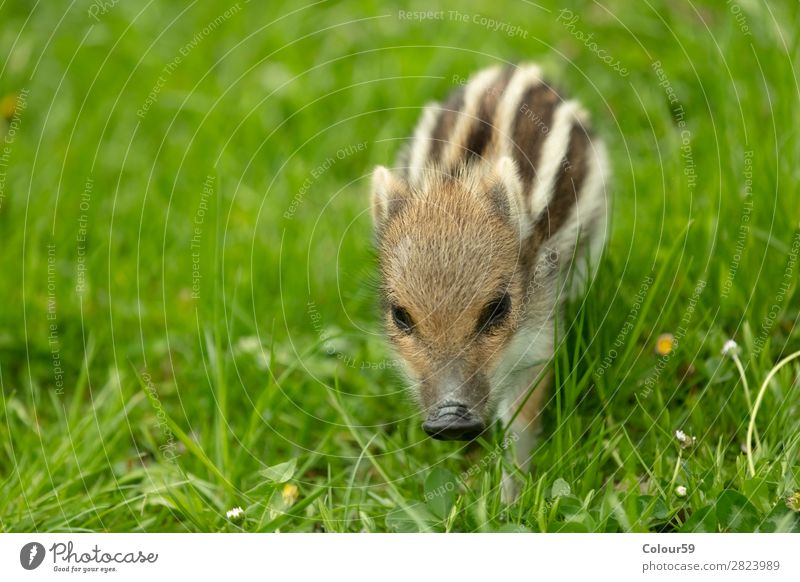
[402,319]
[494,313]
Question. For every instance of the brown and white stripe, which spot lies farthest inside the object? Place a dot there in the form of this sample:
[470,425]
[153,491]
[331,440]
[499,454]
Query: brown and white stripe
[514,112]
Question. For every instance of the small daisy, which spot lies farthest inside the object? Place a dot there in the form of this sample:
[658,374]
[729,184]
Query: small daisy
[680,491]
[730,348]
[684,439]
[251,346]
[235,514]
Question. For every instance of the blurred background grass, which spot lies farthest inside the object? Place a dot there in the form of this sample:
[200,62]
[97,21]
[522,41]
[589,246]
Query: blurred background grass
[219,317]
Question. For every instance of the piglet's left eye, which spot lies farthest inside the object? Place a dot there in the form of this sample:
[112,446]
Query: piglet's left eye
[494,313]
[402,319]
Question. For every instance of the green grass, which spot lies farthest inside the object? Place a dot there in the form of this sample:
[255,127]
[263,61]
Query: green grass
[168,409]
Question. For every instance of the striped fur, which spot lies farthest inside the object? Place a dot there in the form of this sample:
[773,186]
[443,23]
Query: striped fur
[514,112]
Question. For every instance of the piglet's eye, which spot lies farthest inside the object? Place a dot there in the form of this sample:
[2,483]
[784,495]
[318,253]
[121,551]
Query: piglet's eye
[494,313]
[402,319]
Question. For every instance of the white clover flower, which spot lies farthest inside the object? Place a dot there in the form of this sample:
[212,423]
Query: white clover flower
[680,491]
[235,514]
[730,348]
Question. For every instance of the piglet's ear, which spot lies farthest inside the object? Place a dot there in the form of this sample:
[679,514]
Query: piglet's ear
[509,195]
[387,194]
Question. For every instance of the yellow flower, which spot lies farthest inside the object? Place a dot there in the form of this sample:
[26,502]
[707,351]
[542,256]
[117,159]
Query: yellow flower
[290,494]
[8,106]
[793,501]
[664,344]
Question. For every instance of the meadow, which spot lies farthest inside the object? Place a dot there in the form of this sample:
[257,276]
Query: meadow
[189,321]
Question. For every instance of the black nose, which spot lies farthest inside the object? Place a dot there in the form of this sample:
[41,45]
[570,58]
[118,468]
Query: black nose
[453,422]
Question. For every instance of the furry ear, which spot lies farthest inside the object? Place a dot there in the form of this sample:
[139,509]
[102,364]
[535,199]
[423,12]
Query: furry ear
[509,195]
[387,193]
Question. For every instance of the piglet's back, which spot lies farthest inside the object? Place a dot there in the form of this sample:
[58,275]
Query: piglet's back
[513,111]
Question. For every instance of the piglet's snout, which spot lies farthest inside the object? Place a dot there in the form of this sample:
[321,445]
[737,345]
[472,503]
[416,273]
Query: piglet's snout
[452,421]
